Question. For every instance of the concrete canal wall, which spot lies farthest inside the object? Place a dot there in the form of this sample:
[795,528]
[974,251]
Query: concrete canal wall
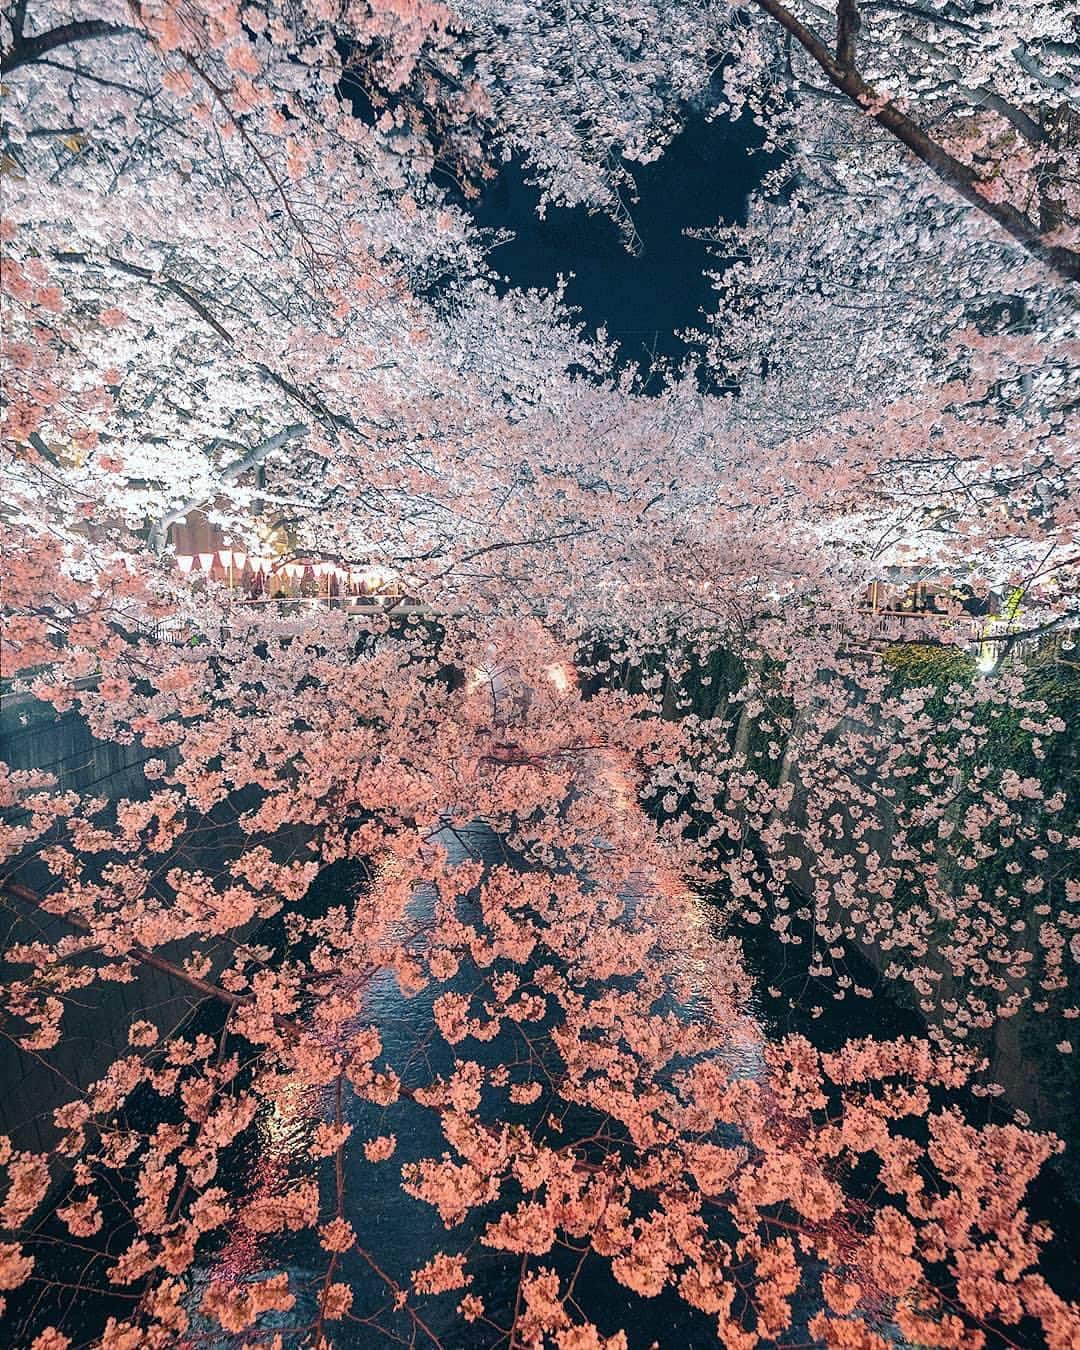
[32,1085]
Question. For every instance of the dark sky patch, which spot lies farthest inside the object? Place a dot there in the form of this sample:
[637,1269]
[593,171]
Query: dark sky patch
[704,177]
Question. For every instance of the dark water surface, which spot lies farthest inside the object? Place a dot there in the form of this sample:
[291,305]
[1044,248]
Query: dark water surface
[402,1233]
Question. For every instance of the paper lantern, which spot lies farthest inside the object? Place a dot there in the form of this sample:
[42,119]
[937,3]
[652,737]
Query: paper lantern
[225,554]
[206,561]
[239,559]
[185,561]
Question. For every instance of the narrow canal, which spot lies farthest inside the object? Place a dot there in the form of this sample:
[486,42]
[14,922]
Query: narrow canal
[399,1234]
[406,1234]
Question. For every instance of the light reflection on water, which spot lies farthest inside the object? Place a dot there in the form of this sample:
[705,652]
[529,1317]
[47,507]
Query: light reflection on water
[404,1233]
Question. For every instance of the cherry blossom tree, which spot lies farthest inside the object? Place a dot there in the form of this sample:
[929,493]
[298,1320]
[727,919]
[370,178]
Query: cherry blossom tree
[231,282]
[984,97]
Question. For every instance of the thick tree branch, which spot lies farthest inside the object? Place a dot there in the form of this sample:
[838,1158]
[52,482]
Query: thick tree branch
[17,18]
[24,51]
[159,533]
[962,179]
[1016,117]
[979,96]
[848,23]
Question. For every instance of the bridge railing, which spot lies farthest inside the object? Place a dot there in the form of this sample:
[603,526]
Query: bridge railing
[985,635]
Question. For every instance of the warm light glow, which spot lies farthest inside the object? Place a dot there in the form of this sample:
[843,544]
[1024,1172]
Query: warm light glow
[374,578]
[559,677]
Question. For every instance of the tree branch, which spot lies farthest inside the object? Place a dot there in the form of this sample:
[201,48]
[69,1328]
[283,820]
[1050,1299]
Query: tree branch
[17,19]
[135,953]
[962,179]
[24,51]
[334,422]
[848,23]
[160,530]
[1016,117]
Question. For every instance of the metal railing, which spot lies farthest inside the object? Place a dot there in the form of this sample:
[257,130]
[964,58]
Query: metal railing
[978,634]
[985,636]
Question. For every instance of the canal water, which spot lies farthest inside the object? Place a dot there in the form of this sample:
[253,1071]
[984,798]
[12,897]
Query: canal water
[402,1233]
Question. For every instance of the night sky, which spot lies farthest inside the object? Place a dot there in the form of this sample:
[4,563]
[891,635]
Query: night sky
[704,177]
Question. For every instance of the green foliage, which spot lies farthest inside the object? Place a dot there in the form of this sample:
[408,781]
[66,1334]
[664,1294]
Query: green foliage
[914,664]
